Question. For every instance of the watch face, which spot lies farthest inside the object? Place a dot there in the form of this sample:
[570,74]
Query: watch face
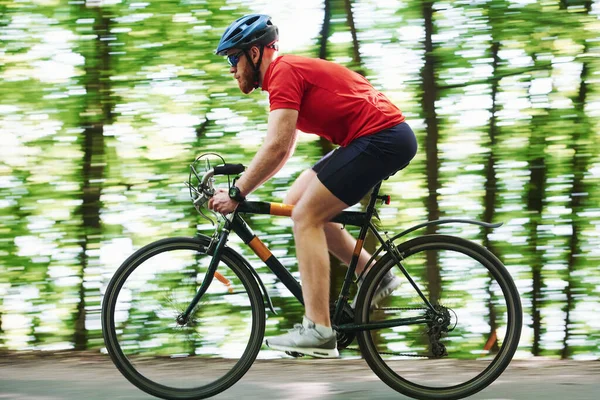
[235,194]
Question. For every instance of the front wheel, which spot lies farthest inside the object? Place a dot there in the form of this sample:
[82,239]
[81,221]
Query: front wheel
[461,344]
[171,358]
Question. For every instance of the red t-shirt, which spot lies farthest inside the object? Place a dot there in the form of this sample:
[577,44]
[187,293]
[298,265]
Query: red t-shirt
[332,101]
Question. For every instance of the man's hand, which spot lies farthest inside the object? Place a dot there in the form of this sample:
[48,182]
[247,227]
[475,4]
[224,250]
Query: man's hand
[221,202]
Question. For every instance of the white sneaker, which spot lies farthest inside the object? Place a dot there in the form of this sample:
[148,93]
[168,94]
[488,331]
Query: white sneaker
[389,283]
[306,339]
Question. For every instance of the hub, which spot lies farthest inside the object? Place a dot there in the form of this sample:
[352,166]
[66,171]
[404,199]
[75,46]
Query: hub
[182,319]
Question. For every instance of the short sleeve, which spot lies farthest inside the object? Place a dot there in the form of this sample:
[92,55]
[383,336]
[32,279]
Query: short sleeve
[286,87]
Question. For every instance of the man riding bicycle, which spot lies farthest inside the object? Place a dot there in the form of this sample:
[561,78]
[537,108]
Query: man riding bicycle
[329,100]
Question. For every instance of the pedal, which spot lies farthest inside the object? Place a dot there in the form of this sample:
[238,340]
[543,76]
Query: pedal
[294,354]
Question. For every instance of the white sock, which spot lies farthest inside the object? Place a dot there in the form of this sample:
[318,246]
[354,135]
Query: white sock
[325,331]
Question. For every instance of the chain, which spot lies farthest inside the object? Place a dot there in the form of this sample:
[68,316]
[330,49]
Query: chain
[397,354]
[399,308]
[394,354]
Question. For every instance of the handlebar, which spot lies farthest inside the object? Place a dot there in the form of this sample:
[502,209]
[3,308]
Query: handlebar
[226,169]
[202,189]
[229,169]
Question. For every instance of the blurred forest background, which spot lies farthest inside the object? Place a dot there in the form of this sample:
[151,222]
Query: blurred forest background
[104,104]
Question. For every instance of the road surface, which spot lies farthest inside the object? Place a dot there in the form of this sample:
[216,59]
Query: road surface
[69,377]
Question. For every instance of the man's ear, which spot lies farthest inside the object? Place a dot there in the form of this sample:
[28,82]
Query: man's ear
[255,54]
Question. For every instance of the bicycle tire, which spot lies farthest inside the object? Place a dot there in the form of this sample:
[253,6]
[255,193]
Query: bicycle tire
[115,346]
[504,353]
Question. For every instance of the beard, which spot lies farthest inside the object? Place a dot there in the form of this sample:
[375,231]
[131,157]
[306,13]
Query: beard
[246,81]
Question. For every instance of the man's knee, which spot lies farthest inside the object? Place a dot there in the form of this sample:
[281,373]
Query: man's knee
[303,217]
[297,217]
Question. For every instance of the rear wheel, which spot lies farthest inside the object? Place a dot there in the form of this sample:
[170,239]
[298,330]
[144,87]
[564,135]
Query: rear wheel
[174,359]
[468,338]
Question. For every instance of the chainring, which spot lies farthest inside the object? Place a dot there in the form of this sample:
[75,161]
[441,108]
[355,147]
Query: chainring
[343,338]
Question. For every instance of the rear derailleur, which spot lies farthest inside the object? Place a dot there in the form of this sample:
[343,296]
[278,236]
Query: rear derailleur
[439,321]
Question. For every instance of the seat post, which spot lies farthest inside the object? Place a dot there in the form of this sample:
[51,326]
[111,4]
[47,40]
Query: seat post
[373,200]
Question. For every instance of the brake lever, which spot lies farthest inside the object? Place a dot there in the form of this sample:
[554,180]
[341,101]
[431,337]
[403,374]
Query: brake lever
[213,223]
[199,203]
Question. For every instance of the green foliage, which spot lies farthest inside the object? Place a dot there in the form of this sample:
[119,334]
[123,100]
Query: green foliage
[147,74]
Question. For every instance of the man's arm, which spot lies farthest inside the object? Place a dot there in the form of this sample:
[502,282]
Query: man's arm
[277,148]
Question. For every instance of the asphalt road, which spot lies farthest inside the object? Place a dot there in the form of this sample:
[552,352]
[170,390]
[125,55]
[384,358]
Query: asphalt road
[95,377]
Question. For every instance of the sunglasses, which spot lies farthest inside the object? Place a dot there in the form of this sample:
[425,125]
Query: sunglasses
[233,59]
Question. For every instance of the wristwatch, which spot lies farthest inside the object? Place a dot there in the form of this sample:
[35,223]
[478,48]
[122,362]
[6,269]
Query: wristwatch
[235,194]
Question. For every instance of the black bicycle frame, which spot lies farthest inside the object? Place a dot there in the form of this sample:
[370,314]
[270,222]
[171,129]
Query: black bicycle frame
[353,218]
[362,219]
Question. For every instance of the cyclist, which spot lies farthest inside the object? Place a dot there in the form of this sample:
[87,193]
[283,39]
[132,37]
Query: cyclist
[323,98]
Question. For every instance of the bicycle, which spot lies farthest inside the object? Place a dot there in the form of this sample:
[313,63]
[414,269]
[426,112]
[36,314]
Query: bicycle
[164,316]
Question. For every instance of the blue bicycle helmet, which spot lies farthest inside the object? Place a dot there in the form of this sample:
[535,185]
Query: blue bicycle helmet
[247,31]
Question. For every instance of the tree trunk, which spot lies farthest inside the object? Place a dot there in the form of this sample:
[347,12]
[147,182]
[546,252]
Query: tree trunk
[537,182]
[491,191]
[356,58]
[98,102]
[579,166]
[430,95]
[325,30]
[93,173]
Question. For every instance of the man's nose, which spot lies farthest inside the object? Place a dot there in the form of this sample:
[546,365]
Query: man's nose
[233,70]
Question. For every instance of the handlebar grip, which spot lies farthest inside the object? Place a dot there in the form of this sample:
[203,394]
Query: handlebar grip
[229,169]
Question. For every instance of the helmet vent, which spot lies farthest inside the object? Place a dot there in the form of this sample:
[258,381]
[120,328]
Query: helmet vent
[252,20]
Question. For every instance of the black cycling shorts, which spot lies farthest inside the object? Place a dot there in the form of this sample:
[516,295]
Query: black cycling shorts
[351,172]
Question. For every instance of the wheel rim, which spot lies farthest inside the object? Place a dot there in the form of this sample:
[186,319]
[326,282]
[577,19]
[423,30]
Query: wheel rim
[478,348]
[158,354]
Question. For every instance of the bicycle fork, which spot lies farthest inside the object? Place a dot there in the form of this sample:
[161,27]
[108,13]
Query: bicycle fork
[184,317]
